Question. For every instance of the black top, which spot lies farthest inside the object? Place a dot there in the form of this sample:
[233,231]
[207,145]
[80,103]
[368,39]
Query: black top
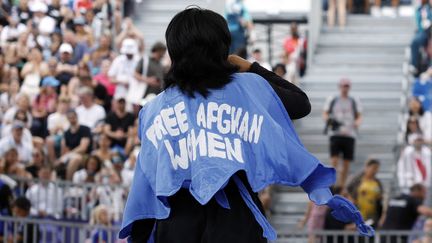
[119,123]
[293,98]
[401,213]
[73,139]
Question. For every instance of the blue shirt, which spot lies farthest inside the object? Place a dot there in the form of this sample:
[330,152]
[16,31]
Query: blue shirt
[200,143]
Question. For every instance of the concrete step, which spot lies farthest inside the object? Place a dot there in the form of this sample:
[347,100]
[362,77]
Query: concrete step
[362,95]
[368,105]
[359,86]
[378,29]
[356,50]
[368,21]
[344,70]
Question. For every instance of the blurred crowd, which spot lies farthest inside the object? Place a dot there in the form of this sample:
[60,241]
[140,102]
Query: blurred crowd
[73,77]
[75,73]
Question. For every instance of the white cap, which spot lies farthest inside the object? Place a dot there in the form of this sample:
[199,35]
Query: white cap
[129,46]
[66,47]
[38,7]
[47,25]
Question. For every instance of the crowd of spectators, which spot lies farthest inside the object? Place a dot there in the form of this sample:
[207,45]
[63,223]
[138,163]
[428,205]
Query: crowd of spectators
[408,206]
[73,77]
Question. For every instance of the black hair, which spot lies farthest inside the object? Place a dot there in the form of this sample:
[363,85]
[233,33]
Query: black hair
[257,50]
[22,203]
[371,162]
[198,42]
[158,46]
[98,161]
[279,65]
[70,112]
[416,187]
[421,111]
[408,130]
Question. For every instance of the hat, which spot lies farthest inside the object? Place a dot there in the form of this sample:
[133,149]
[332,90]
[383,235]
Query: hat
[129,46]
[66,47]
[38,7]
[18,124]
[345,81]
[50,81]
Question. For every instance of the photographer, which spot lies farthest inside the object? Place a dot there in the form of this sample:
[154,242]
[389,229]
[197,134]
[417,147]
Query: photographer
[343,116]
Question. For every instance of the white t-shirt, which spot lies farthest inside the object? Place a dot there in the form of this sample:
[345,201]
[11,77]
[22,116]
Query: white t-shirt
[90,116]
[342,112]
[123,69]
[57,120]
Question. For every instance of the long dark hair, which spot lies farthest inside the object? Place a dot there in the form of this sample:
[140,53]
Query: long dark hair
[198,43]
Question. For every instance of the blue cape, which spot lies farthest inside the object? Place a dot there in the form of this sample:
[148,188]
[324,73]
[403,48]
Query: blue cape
[200,143]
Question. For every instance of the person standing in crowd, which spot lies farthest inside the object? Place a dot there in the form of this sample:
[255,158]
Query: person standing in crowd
[150,69]
[57,124]
[101,217]
[257,57]
[367,192]
[239,24]
[414,165]
[423,116]
[343,117]
[294,54]
[340,6]
[412,128]
[38,161]
[18,141]
[89,113]
[423,18]
[314,217]
[21,209]
[403,211]
[65,68]
[118,122]
[45,196]
[123,67]
[76,142]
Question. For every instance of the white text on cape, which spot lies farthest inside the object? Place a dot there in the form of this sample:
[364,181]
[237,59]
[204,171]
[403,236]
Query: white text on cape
[233,125]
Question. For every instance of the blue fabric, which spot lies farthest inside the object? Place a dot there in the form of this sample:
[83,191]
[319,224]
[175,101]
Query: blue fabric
[200,144]
[345,211]
[423,90]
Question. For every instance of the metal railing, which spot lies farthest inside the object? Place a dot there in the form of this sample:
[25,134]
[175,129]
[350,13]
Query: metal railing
[68,200]
[332,236]
[314,26]
[37,231]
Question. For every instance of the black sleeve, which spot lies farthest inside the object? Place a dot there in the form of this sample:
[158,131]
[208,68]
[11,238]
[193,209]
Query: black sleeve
[86,132]
[293,98]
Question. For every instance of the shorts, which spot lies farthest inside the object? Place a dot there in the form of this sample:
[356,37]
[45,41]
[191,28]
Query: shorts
[342,145]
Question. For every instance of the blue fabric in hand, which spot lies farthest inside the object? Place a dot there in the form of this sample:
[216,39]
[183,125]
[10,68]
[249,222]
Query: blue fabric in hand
[345,211]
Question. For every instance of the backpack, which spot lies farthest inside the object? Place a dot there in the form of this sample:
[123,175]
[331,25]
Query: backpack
[353,103]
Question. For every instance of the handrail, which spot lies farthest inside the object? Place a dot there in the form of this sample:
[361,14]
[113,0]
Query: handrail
[314,27]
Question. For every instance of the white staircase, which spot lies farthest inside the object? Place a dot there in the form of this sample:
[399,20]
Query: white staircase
[153,16]
[370,52]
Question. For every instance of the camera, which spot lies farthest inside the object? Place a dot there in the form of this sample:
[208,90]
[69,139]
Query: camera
[333,124]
